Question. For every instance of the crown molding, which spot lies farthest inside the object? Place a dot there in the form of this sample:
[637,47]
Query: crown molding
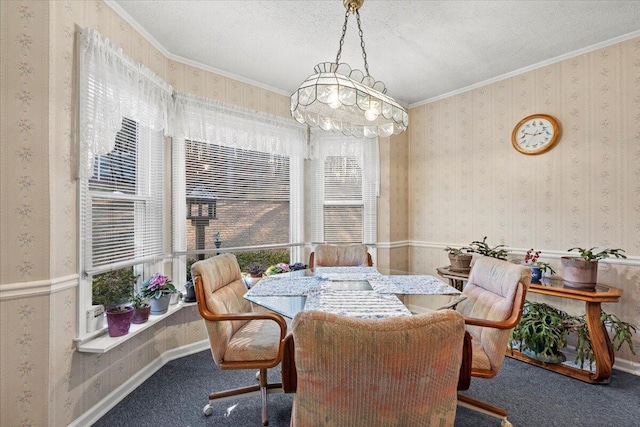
[536,66]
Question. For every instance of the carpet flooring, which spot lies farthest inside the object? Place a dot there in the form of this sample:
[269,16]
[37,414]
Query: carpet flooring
[534,397]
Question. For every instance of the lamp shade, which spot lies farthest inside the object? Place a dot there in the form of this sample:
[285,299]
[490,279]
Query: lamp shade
[339,99]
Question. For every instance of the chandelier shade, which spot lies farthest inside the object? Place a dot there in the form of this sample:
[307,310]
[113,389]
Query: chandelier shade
[337,98]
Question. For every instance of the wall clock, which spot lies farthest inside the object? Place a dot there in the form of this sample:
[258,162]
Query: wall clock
[535,134]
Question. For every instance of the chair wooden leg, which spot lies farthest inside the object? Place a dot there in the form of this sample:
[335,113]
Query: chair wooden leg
[484,408]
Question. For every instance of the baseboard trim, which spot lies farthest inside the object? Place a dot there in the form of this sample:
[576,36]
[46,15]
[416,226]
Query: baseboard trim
[117,395]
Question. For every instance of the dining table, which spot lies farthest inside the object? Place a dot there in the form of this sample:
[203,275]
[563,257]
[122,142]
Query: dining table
[359,292]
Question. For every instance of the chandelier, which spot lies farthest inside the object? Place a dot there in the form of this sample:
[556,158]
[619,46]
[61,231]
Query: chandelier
[340,99]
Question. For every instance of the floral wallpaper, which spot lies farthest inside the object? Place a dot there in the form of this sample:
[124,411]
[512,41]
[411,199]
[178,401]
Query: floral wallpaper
[466,181]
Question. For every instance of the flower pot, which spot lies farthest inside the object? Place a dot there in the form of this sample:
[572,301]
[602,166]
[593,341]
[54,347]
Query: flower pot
[556,355]
[250,280]
[118,321]
[141,315]
[190,295]
[175,298]
[536,273]
[460,263]
[160,305]
[579,273]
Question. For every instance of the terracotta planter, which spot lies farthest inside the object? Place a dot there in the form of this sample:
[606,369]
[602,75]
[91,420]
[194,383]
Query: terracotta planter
[460,263]
[119,322]
[141,315]
[578,273]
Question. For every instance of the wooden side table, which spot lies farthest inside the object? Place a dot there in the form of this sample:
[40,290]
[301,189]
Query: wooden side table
[456,278]
[602,348]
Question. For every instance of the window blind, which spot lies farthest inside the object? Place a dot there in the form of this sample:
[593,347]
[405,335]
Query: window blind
[251,192]
[343,189]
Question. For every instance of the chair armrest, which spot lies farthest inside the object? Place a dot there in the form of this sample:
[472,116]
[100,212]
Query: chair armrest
[214,317]
[486,323]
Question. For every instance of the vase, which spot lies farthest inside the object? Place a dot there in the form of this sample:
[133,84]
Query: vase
[141,315]
[536,273]
[118,321]
[160,305]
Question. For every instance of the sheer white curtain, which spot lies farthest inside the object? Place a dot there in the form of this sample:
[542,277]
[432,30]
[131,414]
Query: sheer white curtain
[113,86]
[366,152]
[203,119]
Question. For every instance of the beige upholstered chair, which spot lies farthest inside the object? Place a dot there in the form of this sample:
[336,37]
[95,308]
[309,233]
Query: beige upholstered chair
[377,372]
[495,294]
[354,255]
[240,338]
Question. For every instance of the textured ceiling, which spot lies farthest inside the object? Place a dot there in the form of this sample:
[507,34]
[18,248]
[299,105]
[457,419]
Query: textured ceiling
[419,49]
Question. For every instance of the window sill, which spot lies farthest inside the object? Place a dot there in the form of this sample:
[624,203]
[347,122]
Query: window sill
[103,342]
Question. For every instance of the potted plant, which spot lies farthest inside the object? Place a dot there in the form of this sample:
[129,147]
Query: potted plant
[582,271]
[158,289]
[113,290]
[543,331]
[141,309]
[538,268]
[482,248]
[255,271]
[460,258]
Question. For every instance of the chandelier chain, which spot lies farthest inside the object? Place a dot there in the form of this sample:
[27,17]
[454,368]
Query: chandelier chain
[364,52]
[344,31]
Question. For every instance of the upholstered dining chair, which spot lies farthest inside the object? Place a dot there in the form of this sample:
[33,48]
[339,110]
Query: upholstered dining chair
[495,294]
[353,255]
[399,371]
[239,337]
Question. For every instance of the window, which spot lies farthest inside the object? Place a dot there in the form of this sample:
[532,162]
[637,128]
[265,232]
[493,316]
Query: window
[246,194]
[123,115]
[343,186]
[122,205]
[343,202]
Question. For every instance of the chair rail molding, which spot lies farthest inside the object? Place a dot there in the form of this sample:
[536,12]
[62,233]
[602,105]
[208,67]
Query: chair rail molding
[37,287]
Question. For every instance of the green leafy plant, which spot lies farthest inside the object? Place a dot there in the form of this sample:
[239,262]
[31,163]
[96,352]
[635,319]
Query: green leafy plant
[114,289]
[589,255]
[138,301]
[544,329]
[545,267]
[622,333]
[458,251]
[256,269]
[482,248]
[157,286]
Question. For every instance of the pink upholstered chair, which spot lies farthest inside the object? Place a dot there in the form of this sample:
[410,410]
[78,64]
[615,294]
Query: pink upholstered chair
[239,337]
[495,294]
[354,255]
[377,372]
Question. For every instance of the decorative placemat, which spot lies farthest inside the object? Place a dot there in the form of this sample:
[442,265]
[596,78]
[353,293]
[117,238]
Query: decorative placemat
[359,304]
[408,285]
[283,286]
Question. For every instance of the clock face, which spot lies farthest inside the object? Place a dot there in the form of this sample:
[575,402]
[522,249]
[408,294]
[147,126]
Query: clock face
[535,134]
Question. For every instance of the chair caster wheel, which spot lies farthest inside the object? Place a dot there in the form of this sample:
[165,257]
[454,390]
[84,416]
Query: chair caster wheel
[258,375]
[207,410]
[506,423]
